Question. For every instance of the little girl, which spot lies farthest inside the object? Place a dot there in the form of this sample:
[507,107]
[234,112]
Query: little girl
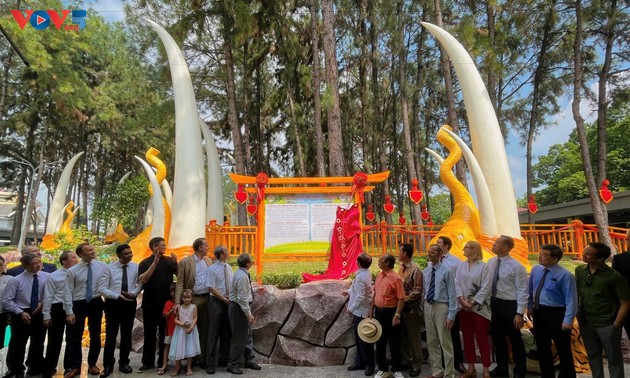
[185,340]
[170,314]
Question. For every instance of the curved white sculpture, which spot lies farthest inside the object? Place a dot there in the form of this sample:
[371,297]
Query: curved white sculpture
[214,207]
[55,220]
[488,144]
[157,225]
[188,216]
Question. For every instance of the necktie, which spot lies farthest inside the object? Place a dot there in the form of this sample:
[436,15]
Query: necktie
[539,289]
[431,292]
[124,286]
[495,279]
[88,283]
[35,293]
[227,281]
[249,279]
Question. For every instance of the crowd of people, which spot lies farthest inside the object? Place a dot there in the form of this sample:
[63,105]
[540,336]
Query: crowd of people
[488,302]
[203,319]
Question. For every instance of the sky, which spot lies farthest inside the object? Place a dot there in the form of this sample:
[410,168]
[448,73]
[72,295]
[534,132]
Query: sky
[558,131]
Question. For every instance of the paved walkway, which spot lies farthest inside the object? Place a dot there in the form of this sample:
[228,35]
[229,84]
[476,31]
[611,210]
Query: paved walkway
[268,371]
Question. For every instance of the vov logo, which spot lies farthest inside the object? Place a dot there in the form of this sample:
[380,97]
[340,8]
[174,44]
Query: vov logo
[41,19]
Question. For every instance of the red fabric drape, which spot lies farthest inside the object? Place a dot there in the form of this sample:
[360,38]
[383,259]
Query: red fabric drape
[345,246]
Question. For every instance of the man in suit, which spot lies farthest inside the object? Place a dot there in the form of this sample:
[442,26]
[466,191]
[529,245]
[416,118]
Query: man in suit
[621,263]
[191,274]
[23,300]
[31,249]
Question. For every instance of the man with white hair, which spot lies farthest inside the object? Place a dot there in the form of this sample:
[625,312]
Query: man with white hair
[31,249]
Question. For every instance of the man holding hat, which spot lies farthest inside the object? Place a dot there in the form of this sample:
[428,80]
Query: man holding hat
[359,305]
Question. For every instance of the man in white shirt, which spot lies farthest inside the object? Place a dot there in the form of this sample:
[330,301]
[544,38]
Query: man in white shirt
[81,300]
[508,303]
[360,304]
[120,287]
[55,316]
[23,299]
[218,282]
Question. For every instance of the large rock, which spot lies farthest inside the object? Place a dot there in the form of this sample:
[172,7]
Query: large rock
[299,353]
[341,333]
[317,305]
[271,308]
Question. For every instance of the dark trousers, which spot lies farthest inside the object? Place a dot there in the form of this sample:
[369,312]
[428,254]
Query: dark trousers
[503,313]
[218,329]
[4,320]
[390,335]
[547,327]
[242,342]
[458,354]
[93,311]
[119,315]
[20,332]
[55,339]
[365,351]
[154,323]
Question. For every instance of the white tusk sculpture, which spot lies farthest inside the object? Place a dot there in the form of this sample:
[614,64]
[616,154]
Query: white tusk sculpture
[488,220]
[188,216]
[59,200]
[157,226]
[488,143]
[214,207]
[435,155]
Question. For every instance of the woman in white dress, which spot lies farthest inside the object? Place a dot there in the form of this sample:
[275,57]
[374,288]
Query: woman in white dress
[472,286]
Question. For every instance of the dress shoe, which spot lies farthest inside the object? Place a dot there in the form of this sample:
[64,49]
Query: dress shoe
[355,367]
[73,373]
[125,368]
[414,372]
[252,365]
[210,370]
[94,370]
[107,371]
[144,368]
[461,368]
[235,370]
[369,371]
[499,372]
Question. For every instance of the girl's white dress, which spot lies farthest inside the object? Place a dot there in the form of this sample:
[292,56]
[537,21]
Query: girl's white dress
[185,345]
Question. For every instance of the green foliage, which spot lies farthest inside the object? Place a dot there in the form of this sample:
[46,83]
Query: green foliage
[69,240]
[440,207]
[125,202]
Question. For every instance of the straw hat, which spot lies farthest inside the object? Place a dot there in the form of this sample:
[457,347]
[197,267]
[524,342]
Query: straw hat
[369,330]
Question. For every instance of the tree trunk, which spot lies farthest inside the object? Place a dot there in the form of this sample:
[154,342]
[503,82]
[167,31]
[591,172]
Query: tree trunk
[296,133]
[460,170]
[539,77]
[233,121]
[596,203]
[335,136]
[317,107]
[402,84]
[363,90]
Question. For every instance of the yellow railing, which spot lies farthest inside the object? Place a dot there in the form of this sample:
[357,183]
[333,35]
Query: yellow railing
[383,238]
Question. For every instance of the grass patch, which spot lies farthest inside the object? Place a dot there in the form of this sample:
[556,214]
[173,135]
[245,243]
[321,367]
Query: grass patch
[7,248]
[296,248]
[569,263]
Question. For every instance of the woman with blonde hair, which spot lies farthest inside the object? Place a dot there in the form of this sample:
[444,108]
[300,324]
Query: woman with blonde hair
[472,286]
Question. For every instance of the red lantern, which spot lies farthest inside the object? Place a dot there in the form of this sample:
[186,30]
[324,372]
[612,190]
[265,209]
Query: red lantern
[424,214]
[358,184]
[240,195]
[401,219]
[252,208]
[388,206]
[261,181]
[430,222]
[415,194]
[370,214]
[531,205]
[604,193]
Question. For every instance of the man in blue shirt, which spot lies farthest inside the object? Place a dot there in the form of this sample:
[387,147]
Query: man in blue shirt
[440,309]
[553,303]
